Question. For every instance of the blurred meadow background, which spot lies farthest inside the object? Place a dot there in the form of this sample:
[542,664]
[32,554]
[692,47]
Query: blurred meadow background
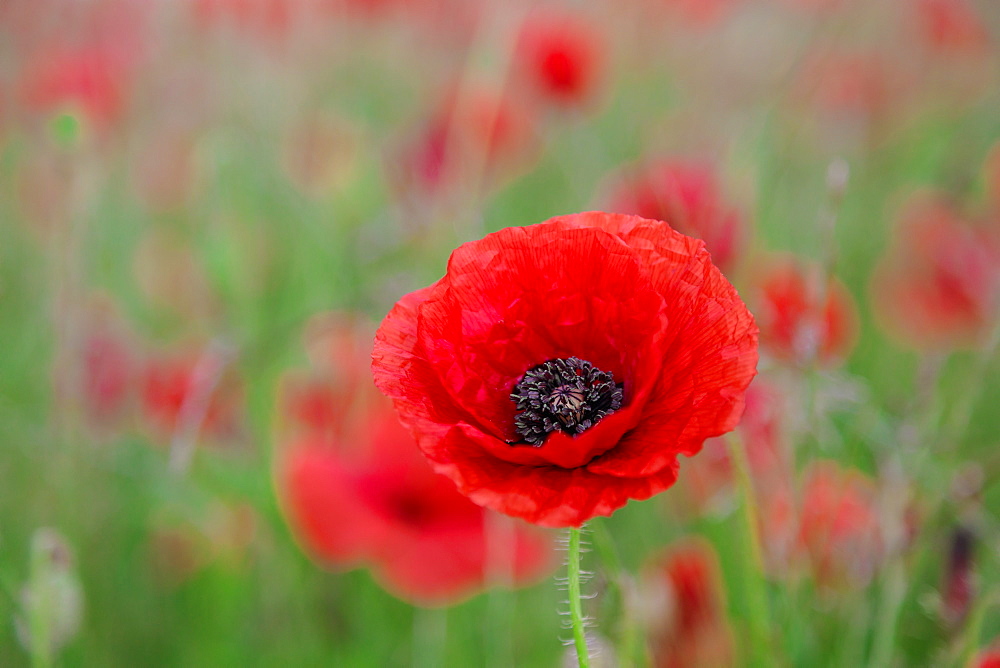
[208,205]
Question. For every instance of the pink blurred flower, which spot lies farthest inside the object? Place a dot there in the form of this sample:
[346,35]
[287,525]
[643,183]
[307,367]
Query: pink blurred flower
[190,384]
[838,525]
[803,316]
[704,12]
[709,477]
[861,89]
[950,26]
[475,134]
[938,284]
[269,19]
[88,80]
[97,368]
[689,630]
[686,195]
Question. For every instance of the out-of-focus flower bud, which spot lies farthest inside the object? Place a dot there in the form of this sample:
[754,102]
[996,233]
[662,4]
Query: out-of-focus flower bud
[52,599]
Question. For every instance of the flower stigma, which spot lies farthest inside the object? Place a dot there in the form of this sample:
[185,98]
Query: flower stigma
[566,393]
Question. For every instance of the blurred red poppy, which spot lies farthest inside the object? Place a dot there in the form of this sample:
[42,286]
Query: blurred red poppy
[96,370]
[269,19]
[708,478]
[691,631]
[558,370]
[382,505]
[938,285]
[474,134]
[88,80]
[560,57]
[804,316]
[688,196]
[856,86]
[838,525]
[989,658]
[950,26]
[182,390]
[357,492]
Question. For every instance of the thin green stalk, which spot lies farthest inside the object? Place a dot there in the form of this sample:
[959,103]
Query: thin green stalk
[430,635]
[754,585]
[575,607]
[632,645]
[499,572]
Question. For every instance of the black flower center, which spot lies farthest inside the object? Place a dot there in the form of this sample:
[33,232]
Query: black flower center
[567,393]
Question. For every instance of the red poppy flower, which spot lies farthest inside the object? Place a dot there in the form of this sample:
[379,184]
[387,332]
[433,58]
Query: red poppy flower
[687,194]
[560,57]
[557,370]
[692,631]
[804,316]
[938,285]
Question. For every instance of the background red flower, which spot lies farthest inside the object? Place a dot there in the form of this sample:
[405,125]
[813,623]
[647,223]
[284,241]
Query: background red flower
[938,284]
[838,525]
[692,630]
[688,196]
[803,315]
[560,57]
[357,493]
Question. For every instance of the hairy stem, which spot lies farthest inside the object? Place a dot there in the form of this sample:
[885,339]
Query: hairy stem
[575,608]
[754,585]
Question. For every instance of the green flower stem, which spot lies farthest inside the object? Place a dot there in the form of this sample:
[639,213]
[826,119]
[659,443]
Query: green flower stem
[632,645]
[499,572]
[754,585]
[575,608]
[430,636]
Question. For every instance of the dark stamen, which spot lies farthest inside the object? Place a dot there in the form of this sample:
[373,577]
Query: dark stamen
[567,393]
